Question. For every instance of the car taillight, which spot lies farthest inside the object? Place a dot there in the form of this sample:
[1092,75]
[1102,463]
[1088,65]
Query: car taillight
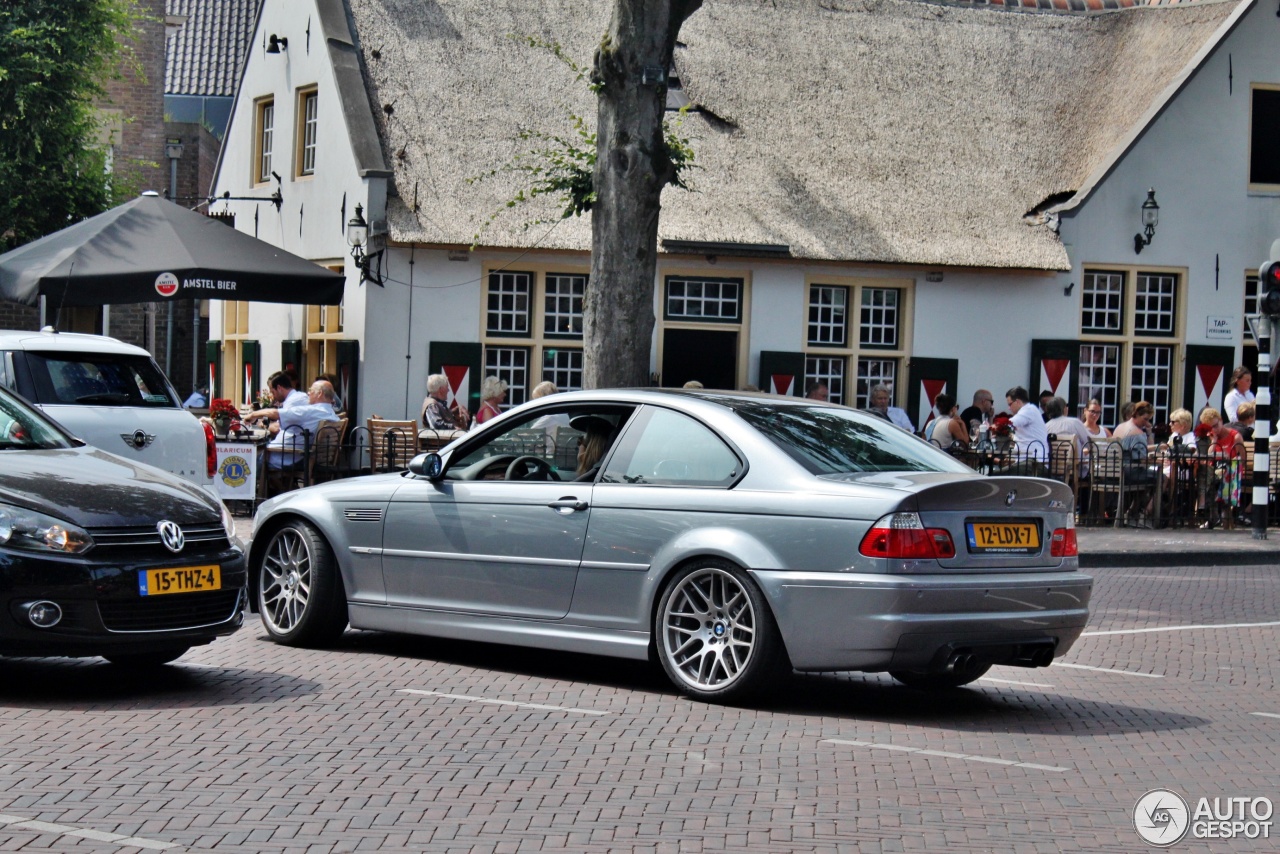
[210,449]
[902,535]
[1063,543]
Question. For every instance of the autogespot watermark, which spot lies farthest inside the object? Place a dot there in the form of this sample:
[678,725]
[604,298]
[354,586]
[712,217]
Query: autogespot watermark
[1162,818]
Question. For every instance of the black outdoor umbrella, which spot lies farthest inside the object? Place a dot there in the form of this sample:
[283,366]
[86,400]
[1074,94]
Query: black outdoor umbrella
[151,250]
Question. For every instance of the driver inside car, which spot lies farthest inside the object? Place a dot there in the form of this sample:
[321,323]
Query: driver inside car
[597,434]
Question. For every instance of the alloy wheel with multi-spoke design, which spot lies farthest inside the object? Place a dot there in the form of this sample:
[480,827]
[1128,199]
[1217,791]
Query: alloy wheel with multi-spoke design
[286,581]
[709,629]
[299,592]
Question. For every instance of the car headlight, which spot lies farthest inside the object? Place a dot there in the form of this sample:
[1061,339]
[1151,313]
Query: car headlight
[228,524]
[21,528]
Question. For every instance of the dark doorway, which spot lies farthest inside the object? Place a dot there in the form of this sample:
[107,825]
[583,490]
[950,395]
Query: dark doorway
[709,357]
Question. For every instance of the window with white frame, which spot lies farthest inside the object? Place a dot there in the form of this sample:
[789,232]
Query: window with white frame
[828,370]
[828,316]
[562,367]
[871,373]
[562,303]
[308,125]
[525,346]
[263,139]
[879,326]
[512,365]
[872,355]
[508,310]
[1130,323]
[1102,302]
[1099,372]
[703,299]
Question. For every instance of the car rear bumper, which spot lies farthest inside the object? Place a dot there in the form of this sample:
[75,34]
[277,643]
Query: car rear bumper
[869,622]
[103,611]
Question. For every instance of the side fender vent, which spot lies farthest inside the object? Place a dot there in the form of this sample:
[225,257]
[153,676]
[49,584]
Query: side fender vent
[363,514]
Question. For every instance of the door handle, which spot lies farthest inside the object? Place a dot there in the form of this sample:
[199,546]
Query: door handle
[568,505]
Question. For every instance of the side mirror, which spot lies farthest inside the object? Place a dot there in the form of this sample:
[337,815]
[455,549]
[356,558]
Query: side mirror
[430,466]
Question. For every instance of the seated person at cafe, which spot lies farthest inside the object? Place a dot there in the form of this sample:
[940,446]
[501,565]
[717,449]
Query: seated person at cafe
[1246,415]
[436,412]
[1227,449]
[1064,426]
[983,407]
[948,428]
[1030,438]
[331,379]
[284,395]
[1138,424]
[288,442]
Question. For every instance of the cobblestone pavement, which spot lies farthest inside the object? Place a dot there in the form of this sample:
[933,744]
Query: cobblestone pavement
[388,743]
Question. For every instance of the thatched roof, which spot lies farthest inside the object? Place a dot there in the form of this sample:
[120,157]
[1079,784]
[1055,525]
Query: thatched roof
[863,130]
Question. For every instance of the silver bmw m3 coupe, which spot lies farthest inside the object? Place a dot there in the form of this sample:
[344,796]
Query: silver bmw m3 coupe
[731,537]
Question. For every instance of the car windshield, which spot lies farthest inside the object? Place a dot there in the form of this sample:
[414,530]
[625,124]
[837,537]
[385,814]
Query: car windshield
[22,428]
[835,440]
[99,379]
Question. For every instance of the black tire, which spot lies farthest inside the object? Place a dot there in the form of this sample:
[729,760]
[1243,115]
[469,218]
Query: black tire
[300,596]
[939,681]
[146,660]
[715,636]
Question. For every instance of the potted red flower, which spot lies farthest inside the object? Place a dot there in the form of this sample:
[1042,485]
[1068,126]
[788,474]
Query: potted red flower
[222,412]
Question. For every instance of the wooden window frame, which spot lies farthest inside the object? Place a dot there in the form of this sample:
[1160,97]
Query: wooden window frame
[1128,339]
[306,95]
[536,340]
[853,349]
[263,153]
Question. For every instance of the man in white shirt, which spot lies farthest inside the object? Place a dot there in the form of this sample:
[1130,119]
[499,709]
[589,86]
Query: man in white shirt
[285,450]
[1030,438]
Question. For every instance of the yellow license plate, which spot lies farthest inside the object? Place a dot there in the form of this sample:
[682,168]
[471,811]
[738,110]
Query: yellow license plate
[1004,537]
[188,579]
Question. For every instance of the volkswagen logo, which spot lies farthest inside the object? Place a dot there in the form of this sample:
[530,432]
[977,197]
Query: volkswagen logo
[138,439]
[171,535]
[1010,498]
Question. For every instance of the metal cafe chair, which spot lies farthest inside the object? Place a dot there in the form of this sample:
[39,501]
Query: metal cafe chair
[1119,481]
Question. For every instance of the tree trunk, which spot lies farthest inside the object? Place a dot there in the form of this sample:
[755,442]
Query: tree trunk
[632,167]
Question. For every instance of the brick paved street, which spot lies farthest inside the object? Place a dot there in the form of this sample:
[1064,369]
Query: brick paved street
[389,743]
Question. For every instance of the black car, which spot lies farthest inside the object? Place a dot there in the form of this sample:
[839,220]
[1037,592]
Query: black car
[103,556]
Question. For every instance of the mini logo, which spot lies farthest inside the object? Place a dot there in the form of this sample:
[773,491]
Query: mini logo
[1010,498]
[234,471]
[171,535]
[138,439]
[166,284]
[1161,817]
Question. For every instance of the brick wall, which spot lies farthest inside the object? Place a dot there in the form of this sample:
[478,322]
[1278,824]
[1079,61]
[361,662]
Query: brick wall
[139,96]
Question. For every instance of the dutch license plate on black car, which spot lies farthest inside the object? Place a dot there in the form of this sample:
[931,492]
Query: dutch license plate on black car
[187,579]
[1010,538]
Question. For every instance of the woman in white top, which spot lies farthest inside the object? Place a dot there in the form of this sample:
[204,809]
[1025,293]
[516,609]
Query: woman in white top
[1241,382]
[1092,412]
[948,430]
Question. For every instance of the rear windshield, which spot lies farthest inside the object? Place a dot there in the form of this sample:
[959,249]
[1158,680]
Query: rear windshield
[835,440]
[22,428]
[99,379]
